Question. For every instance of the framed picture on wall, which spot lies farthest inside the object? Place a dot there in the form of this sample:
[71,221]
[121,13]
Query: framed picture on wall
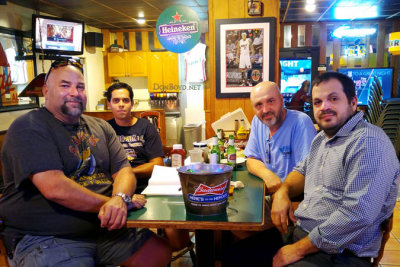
[245,54]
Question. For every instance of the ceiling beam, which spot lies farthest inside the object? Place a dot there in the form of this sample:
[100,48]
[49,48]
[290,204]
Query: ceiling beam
[287,8]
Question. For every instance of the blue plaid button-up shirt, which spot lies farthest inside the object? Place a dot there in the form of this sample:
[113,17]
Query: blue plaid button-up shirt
[351,184]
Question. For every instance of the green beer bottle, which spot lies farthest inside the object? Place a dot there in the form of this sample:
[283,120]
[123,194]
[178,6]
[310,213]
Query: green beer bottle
[215,154]
[231,152]
[221,144]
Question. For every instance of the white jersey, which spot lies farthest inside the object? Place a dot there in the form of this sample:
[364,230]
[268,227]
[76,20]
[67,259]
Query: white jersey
[244,61]
[245,47]
[195,64]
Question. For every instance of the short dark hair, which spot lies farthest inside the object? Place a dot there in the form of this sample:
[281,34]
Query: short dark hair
[116,86]
[347,83]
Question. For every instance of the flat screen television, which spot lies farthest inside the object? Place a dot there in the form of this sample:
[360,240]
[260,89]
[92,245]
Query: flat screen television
[57,36]
[293,72]
[363,77]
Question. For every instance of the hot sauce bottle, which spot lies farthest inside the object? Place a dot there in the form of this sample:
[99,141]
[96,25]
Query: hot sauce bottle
[177,155]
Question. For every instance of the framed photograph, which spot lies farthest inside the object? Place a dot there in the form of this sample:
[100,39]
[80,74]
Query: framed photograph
[245,54]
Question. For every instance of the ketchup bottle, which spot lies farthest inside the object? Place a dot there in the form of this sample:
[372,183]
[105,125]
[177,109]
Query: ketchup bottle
[177,155]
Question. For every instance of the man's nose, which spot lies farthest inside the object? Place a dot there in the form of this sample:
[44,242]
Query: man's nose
[265,108]
[73,90]
[325,105]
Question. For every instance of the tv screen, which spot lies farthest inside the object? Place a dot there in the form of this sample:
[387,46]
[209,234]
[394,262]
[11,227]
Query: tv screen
[293,73]
[58,36]
[363,78]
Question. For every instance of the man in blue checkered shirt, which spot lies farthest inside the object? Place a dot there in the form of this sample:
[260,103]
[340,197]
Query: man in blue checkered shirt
[350,183]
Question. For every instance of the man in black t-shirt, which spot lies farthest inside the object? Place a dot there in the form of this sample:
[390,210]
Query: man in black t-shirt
[142,145]
[138,136]
[68,186]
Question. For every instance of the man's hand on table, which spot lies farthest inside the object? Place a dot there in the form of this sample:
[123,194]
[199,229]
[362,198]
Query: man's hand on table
[281,208]
[112,214]
[138,202]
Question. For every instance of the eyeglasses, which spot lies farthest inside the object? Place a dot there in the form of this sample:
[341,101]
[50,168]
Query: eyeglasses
[62,63]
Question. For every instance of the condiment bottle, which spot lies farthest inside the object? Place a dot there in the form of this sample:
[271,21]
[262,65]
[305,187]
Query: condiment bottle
[215,153]
[204,148]
[231,152]
[177,155]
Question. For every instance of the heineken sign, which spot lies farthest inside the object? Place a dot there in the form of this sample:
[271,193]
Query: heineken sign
[178,28]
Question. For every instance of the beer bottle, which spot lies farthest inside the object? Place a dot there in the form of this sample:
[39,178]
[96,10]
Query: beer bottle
[221,144]
[231,152]
[215,153]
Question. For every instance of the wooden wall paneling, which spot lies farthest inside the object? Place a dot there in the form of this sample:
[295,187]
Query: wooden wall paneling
[271,9]
[294,35]
[225,9]
[145,41]
[308,34]
[106,38]
[120,39]
[106,43]
[237,9]
[157,44]
[281,36]
[248,109]
[336,53]
[132,41]
[380,49]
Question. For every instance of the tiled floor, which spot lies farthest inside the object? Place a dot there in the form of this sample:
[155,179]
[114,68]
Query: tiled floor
[391,256]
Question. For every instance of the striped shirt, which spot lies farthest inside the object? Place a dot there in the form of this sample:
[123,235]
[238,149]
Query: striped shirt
[350,188]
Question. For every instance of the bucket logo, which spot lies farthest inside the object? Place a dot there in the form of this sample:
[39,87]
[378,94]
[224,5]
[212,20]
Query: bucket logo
[178,28]
[207,194]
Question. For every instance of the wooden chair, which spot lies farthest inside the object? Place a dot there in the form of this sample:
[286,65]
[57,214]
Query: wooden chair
[3,253]
[386,227]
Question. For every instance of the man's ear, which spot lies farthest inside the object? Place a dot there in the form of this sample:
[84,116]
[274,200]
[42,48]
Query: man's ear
[108,104]
[45,90]
[353,103]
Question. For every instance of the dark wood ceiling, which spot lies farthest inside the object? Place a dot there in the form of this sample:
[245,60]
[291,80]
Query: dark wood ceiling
[122,14]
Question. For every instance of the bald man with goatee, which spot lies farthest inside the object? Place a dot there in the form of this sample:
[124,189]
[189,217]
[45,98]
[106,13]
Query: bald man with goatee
[279,138]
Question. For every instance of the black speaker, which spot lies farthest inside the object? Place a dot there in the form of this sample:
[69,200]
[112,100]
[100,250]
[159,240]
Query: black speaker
[94,39]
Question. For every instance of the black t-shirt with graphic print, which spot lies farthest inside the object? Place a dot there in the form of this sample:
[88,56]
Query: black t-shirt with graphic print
[141,141]
[89,153]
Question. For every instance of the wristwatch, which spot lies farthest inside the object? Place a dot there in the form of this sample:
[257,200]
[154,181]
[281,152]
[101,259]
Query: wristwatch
[127,199]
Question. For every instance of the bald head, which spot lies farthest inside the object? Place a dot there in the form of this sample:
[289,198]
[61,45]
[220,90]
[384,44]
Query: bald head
[263,89]
[267,103]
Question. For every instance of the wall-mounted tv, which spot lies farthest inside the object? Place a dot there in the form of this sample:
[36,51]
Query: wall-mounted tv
[363,77]
[293,73]
[57,36]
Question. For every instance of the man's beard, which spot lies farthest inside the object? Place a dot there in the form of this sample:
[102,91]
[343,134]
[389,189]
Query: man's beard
[73,112]
[275,119]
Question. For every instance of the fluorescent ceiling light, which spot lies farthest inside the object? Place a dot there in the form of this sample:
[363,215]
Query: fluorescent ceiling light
[141,20]
[346,31]
[141,14]
[310,7]
[310,2]
[356,12]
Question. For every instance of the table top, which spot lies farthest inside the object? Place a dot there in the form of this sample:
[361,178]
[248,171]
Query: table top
[245,210]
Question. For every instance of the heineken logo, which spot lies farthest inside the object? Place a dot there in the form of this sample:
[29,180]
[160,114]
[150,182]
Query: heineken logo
[178,28]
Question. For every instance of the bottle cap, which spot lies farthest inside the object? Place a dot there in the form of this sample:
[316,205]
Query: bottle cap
[198,144]
[177,146]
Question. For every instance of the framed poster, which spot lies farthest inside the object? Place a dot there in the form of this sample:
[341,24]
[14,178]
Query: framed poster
[245,54]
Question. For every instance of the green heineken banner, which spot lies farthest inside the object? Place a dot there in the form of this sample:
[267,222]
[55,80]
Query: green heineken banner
[178,28]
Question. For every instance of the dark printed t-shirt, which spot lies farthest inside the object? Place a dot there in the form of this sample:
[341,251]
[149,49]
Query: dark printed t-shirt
[141,141]
[89,153]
